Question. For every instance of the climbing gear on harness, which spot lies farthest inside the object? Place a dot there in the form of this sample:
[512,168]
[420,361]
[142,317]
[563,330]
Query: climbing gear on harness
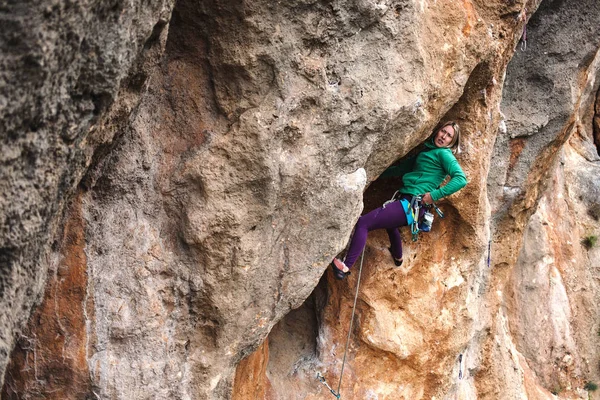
[437,210]
[425,224]
[415,204]
[320,377]
[338,273]
[412,209]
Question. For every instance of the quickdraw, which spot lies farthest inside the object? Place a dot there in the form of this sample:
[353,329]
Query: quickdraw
[416,204]
[524,35]
[321,378]
[415,208]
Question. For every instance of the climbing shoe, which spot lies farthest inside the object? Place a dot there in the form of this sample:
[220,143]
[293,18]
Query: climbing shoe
[397,261]
[338,273]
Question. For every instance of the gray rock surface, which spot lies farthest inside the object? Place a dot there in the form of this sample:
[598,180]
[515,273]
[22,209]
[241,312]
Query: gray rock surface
[222,152]
[541,192]
[244,169]
[61,66]
[544,87]
[242,175]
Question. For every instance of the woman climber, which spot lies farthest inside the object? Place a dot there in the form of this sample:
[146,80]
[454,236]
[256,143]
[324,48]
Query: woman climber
[422,176]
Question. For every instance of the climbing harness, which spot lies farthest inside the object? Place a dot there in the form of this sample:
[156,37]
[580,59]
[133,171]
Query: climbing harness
[320,377]
[412,209]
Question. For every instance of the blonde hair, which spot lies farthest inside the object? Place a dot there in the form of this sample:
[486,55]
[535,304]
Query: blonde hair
[455,143]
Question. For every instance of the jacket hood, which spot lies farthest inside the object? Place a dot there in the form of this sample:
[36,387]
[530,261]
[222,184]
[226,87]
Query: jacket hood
[429,144]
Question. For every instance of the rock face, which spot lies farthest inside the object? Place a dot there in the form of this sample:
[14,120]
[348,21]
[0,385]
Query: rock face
[51,358]
[447,325]
[537,192]
[61,67]
[226,148]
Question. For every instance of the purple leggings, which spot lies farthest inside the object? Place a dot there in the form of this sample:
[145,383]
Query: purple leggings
[390,218]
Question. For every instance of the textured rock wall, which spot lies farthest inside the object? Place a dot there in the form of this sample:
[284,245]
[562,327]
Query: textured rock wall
[61,66]
[242,173]
[526,327]
[547,311]
[225,177]
[51,357]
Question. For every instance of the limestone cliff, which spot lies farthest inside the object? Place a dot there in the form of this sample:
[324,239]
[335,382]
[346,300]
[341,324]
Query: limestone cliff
[62,65]
[179,176]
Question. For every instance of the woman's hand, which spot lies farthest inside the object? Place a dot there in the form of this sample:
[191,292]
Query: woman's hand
[427,198]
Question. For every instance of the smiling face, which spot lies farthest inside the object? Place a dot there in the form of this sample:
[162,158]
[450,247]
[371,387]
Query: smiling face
[443,137]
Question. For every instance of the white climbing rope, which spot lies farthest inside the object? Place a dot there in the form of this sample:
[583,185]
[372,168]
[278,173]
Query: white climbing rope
[320,377]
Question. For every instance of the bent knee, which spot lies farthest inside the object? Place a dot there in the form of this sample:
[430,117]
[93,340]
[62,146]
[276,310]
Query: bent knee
[362,223]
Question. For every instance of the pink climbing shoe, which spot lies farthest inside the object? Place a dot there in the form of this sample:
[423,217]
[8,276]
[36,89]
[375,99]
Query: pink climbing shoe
[340,274]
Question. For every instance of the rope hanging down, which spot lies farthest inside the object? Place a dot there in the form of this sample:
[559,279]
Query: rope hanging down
[320,377]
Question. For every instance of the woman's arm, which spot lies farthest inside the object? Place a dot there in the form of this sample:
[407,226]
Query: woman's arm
[458,179]
[399,169]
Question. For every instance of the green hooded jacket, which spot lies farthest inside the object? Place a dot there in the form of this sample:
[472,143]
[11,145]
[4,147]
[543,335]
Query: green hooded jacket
[425,172]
